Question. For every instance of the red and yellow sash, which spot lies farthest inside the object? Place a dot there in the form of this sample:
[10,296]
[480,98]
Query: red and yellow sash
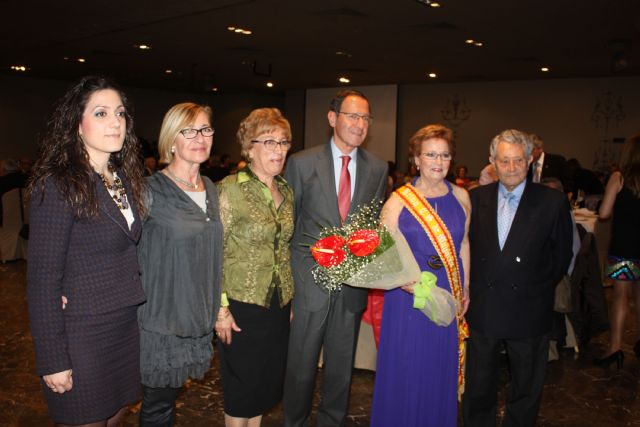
[441,239]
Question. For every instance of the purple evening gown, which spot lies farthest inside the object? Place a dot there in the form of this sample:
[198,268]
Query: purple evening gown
[416,374]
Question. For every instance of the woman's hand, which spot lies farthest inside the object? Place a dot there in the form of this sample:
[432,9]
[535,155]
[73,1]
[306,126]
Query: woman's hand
[225,325]
[465,301]
[59,382]
[408,287]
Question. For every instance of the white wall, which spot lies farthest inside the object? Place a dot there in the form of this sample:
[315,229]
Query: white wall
[381,138]
[559,111]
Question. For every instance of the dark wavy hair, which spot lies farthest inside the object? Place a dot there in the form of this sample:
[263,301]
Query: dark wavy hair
[63,155]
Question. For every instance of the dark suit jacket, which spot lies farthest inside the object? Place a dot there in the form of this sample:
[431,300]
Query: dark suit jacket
[554,166]
[310,174]
[512,290]
[92,262]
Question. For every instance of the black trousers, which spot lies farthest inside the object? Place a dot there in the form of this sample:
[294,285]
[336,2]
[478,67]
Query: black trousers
[527,363]
[158,407]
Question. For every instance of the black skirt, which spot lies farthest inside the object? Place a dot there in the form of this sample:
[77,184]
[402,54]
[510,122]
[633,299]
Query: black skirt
[253,365]
[105,358]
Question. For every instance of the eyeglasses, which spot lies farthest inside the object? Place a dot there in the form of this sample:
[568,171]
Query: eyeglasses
[271,144]
[432,155]
[354,117]
[190,133]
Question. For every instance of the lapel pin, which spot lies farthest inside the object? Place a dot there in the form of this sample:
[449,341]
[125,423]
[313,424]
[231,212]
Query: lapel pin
[517,259]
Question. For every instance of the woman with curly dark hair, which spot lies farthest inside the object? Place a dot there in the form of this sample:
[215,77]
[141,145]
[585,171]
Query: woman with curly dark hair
[82,275]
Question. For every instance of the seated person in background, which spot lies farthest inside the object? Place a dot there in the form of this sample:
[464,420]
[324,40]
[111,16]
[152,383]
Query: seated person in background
[461,179]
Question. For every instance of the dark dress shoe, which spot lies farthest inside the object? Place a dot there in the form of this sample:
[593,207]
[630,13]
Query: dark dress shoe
[617,357]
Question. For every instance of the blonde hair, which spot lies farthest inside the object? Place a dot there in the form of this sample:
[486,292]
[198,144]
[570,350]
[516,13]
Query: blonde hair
[630,164]
[177,118]
[258,122]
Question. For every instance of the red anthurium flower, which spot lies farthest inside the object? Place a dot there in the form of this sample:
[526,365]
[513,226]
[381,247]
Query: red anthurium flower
[363,242]
[329,252]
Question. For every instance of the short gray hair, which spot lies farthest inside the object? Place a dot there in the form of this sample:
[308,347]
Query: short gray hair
[512,136]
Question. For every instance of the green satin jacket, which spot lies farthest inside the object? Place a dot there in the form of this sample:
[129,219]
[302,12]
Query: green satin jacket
[256,239]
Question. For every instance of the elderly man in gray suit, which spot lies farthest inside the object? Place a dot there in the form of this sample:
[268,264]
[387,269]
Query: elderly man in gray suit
[328,182]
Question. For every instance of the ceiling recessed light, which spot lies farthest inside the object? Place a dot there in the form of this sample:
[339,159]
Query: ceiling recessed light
[239,30]
[544,69]
[81,60]
[269,84]
[479,44]
[168,71]
[433,75]
[430,3]
[19,68]
[343,79]
[66,58]
[214,89]
[469,41]
[142,46]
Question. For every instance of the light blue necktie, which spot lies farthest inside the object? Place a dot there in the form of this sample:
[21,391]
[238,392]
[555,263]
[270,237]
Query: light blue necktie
[506,212]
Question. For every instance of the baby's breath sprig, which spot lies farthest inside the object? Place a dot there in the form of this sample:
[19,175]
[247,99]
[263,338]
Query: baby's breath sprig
[341,263]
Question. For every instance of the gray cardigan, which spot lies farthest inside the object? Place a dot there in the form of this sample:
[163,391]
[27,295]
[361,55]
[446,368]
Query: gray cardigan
[180,255]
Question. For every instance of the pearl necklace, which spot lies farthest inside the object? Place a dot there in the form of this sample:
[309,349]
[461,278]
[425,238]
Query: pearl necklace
[182,181]
[119,192]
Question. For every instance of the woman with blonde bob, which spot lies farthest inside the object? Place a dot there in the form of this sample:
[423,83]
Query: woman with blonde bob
[256,207]
[180,255]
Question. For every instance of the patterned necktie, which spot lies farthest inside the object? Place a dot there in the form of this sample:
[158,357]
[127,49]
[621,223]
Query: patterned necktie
[344,189]
[536,172]
[506,212]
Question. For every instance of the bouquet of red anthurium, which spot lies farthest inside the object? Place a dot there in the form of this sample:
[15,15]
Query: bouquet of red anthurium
[363,253]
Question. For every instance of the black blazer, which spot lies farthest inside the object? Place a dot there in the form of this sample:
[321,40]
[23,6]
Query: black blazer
[512,290]
[92,262]
[554,166]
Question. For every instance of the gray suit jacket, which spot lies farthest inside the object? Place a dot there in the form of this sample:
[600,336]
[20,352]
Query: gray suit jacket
[310,174]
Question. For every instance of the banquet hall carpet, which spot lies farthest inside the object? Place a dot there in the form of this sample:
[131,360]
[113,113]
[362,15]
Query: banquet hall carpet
[577,394]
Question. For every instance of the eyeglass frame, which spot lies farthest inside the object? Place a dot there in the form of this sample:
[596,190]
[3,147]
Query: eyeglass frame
[354,117]
[270,144]
[432,155]
[201,131]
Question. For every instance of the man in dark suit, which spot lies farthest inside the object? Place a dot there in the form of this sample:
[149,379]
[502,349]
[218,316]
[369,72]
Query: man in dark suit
[546,165]
[328,181]
[520,239]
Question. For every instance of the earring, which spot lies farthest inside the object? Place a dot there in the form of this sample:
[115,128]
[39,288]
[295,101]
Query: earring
[173,150]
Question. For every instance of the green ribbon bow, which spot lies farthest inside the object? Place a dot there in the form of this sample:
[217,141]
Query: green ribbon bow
[422,290]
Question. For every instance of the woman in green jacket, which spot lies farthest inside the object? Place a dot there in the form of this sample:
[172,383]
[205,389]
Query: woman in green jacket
[256,209]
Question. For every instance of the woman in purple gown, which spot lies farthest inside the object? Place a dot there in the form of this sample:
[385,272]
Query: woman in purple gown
[418,367]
